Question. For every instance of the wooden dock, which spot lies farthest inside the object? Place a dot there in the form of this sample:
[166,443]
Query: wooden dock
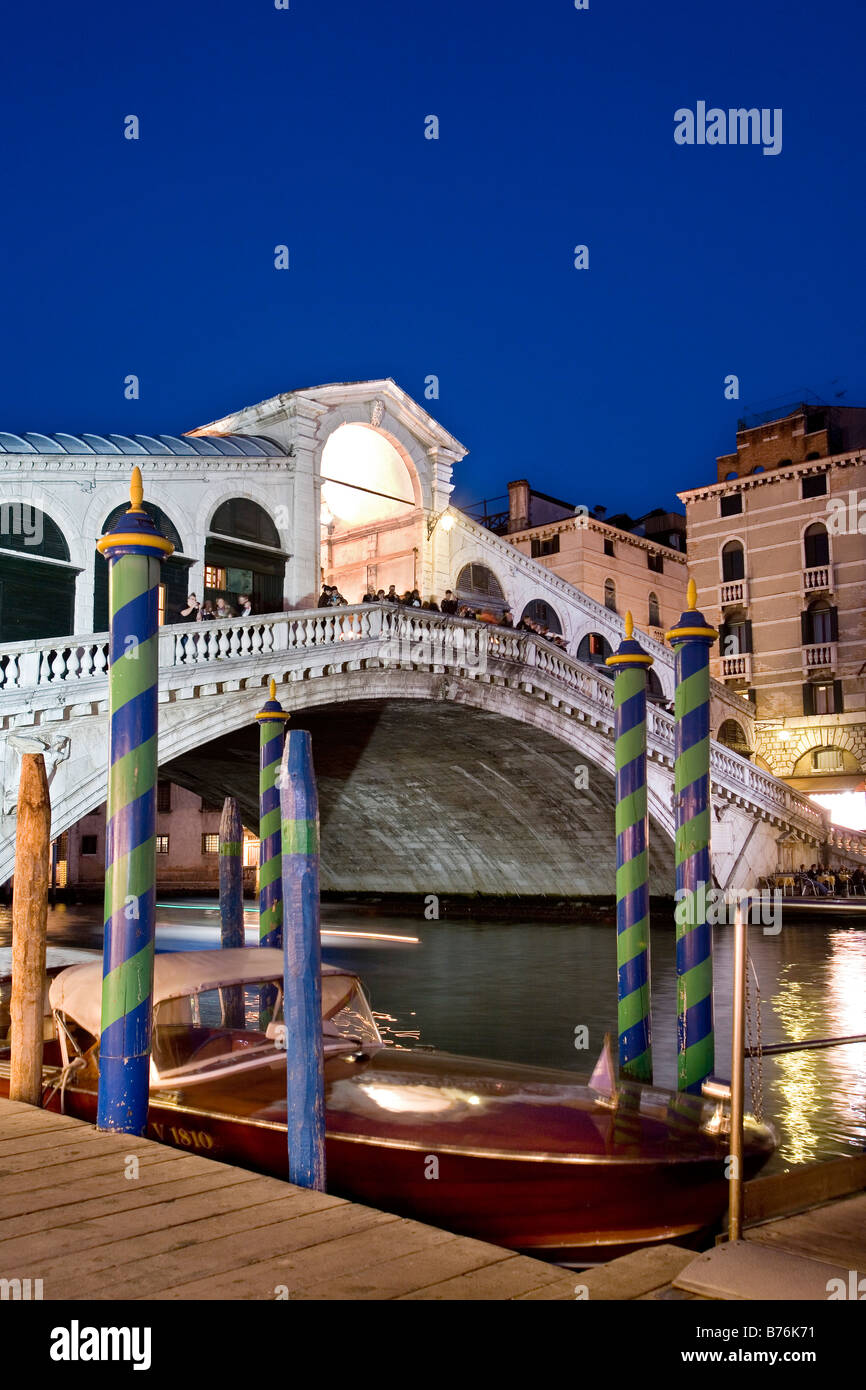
[105,1216]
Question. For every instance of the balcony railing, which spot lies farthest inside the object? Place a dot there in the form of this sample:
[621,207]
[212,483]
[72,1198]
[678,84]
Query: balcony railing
[735,591]
[738,666]
[818,656]
[818,580]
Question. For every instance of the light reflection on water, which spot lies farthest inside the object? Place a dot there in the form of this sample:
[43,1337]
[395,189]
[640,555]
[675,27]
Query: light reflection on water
[516,991]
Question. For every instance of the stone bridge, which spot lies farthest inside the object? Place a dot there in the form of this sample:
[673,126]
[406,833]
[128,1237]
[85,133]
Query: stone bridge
[452,756]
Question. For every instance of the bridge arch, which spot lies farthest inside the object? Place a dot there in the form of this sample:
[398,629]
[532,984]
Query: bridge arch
[388,428]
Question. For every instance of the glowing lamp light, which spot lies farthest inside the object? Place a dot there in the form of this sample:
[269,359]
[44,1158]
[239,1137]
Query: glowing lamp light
[448,523]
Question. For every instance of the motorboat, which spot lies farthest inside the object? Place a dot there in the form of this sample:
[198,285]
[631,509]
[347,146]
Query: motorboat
[525,1157]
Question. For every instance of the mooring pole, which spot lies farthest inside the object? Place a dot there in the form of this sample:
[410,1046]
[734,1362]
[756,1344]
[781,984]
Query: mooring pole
[133,550]
[738,1066]
[29,919]
[271,719]
[630,663]
[691,639]
[231,838]
[302,964]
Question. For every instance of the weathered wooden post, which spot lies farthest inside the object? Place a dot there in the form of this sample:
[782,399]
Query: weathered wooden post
[133,551]
[691,639]
[231,837]
[271,719]
[630,663]
[29,920]
[231,870]
[302,964]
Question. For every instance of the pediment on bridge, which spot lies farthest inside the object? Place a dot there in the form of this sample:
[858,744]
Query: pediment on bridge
[380,403]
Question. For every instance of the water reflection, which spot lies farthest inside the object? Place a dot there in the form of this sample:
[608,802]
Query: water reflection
[517,991]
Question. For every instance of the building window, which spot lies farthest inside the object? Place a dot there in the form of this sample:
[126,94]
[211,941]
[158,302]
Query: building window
[827,760]
[214,578]
[88,844]
[816,546]
[163,796]
[610,595]
[162,844]
[210,844]
[819,623]
[814,485]
[825,698]
[160,605]
[733,562]
[731,504]
[608,546]
[656,563]
[654,618]
[251,853]
[549,546]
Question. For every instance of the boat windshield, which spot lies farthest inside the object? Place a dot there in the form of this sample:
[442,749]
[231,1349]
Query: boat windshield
[240,1025]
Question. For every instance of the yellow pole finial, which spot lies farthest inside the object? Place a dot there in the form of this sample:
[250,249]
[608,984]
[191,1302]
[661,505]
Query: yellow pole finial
[692,595]
[272,689]
[136,490]
[629,624]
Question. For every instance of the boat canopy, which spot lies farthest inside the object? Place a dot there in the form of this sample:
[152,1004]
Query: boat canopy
[77,992]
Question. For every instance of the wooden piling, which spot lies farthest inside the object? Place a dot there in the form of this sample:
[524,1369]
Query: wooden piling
[29,921]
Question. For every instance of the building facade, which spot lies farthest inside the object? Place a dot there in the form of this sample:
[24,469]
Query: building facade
[636,566]
[187,846]
[777,547]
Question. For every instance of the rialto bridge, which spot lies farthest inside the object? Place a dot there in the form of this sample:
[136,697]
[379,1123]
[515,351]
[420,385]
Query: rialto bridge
[453,755]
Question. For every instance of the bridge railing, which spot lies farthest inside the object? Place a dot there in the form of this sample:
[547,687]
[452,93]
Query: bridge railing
[405,636]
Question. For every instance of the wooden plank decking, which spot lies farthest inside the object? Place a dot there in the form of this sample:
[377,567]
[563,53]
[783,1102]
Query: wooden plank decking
[74,1214]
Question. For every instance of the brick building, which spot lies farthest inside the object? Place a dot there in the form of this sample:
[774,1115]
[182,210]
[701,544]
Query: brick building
[777,548]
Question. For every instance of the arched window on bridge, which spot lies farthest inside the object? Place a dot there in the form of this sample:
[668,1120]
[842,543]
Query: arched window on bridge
[733,562]
[243,555]
[371,523]
[733,735]
[478,588]
[654,616]
[37,582]
[539,611]
[610,595]
[594,648]
[816,546]
[173,571]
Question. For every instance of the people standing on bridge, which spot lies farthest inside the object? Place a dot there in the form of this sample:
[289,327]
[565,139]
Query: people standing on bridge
[325,596]
[245,607]
[191,612]
[392,596]
[223,609]
[206,612]
[449,603]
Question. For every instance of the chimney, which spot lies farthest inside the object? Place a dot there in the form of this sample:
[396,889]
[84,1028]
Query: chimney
[518,506]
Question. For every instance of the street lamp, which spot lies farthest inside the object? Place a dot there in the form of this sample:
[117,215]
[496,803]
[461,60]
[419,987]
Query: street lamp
[433,521]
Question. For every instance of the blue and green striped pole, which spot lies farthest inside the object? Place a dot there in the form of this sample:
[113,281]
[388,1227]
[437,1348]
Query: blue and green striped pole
[302,964]
[630,663]
[691,639]
[133,551]
[272,718]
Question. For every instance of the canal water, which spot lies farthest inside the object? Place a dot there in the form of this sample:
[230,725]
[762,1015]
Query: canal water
[523,991]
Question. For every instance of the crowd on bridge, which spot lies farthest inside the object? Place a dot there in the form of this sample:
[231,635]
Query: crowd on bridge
[330,597]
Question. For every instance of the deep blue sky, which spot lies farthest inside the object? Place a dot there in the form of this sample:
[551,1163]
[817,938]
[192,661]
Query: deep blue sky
[410,256]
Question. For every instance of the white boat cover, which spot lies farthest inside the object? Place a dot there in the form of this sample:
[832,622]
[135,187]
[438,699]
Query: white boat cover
[77,992]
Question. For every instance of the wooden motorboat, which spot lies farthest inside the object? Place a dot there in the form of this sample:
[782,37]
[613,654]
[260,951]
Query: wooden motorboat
[521,1156]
